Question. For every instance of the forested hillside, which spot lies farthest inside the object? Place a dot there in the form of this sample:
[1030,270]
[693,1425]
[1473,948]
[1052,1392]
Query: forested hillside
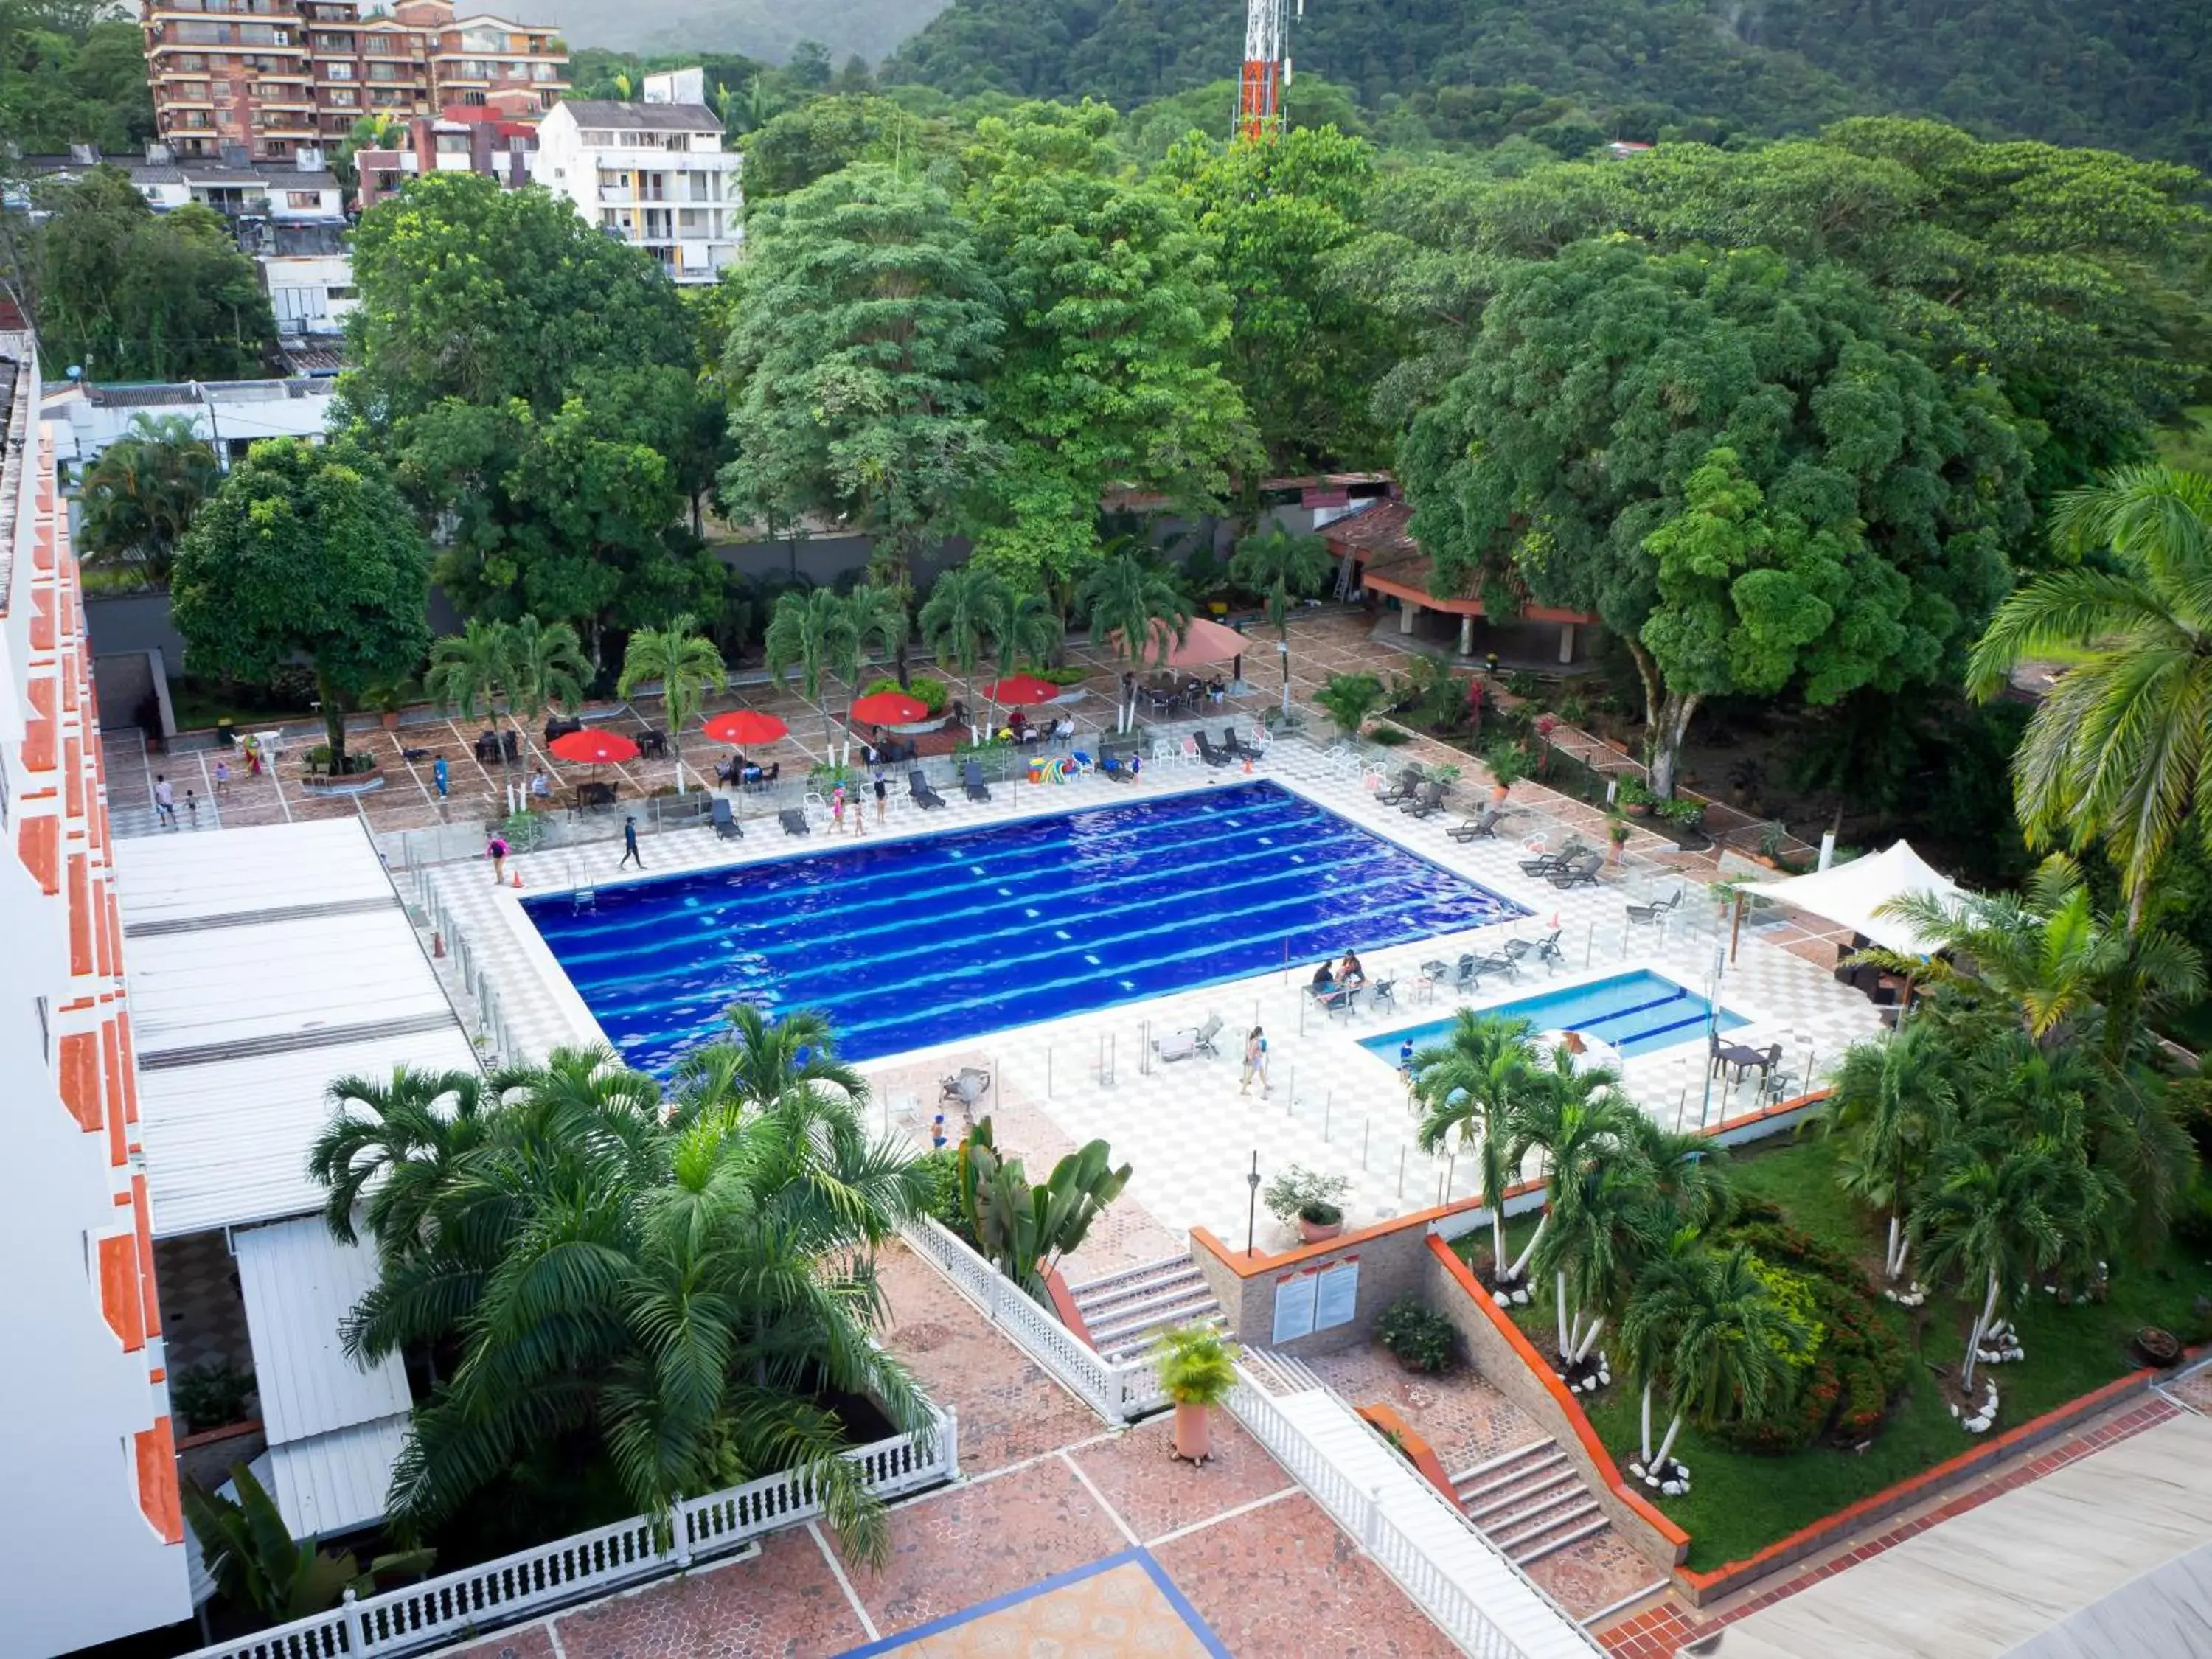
[2133,74]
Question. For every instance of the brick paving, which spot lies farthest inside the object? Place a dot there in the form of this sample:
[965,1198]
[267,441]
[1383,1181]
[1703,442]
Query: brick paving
[1154,1495]
[786,1603]
[1661,1631]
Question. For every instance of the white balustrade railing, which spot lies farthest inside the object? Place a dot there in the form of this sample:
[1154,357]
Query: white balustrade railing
[1426,1580]
[1116,1392]
[456,1607]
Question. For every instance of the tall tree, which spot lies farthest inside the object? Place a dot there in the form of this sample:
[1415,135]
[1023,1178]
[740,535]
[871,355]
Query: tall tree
[2120,749]
[1110,372]
[813,632]
[1283,565]
[127,294]
[684,664]
[1136,608]
[139,497]
[1730,1345]
[1895,1098]
[306,551]
[1472,1083]
[965,613]
[865,320]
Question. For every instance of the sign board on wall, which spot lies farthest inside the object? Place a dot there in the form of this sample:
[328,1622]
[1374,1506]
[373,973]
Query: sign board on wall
[1318,1299]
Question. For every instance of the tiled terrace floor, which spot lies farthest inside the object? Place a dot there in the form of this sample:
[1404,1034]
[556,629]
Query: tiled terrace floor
[1046,1492]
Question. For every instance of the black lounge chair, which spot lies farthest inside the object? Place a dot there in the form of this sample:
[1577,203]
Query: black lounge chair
[1211,756]
[1654,916]
[1580,871]
[1546,950]
[972,776]
[1236,745]
[1477,828]
[726,824]
[1545,863]
[1335,999]
[794,822]
[924,796]
[1409,780]
[965,1089]
[1428,803]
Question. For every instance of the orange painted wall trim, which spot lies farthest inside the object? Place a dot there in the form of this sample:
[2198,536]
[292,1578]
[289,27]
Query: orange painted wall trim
[120,1298]
[42,620]
[130,1069]
[141,1220]
[1063,1303]
[73,777]
[1561,1395]
[39,844]
[1423,1455]
[80,913]
[111,1050]
[158,1500]
[79,1053]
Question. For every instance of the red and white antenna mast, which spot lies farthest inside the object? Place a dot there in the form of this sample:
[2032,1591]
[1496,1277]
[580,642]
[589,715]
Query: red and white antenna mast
[1267,68]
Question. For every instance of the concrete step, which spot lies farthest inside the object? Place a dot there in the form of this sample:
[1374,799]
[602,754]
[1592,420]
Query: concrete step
[1130,1339]
[1138,1315]
[1106,1283]
[1542,1533]
[1505,1506]
[1512,1469]
[1167,1277]
[1140,1345]
[1528,1556]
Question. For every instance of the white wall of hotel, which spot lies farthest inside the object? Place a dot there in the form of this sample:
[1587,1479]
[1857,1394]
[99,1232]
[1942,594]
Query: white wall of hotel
[80,1560]
[655,175]
[223,412]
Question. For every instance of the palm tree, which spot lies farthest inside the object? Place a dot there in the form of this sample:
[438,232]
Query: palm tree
[1348,700]
[409,1137]
[546,668]
[476,665]
[670,1297]
[966,612]
[1198,1371]
[687,666]
[1690,1173]
[763,1059]
[881,620]
[1651,1323]
[139,497]
[1574,1115]
[1280,564]
[1031,632]
[1472,1082]
[1896,1098]
[1607,1218]
[814,632]
[2120,749]
[1138,607]
[1731,1345]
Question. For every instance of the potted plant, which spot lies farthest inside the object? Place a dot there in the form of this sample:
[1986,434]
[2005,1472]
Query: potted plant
[1198,1367]
[387,701]
[1508,764]
[1771,841]
[1634,796]
[1616,831]
[1312,1201]
[1417,1336]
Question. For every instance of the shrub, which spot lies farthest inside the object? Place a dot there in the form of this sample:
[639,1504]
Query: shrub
[931,694]
[1792,1293]
[942,1167]
[1522,683]
[212,1396]
[1299,1192]
[1417,1337]
[1389,737]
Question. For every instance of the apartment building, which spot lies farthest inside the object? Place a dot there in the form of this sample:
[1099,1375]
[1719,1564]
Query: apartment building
[98,1550]
[653,174]
[491,141]
[275,75]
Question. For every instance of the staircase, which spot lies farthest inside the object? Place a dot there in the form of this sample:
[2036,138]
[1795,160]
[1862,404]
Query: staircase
[1278,1374]
[1125,1311]
[1529,1501]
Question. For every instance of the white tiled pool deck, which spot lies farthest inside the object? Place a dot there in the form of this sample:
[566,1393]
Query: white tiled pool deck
[1184,1125]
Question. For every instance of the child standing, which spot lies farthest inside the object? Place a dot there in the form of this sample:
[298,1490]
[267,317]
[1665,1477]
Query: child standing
[1255,1062]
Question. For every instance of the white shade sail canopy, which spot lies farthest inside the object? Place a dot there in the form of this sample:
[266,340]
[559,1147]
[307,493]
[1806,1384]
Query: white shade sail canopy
[1852,895]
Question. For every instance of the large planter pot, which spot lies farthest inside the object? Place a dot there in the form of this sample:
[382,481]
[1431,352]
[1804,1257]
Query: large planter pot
[2153,1346]
[1312,1232]
[916,728]
[1074,694]
[1498,793]
[352,783]
[1193,1434]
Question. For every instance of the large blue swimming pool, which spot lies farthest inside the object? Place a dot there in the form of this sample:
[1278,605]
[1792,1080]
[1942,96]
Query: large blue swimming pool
[1637,1012]
[931,938]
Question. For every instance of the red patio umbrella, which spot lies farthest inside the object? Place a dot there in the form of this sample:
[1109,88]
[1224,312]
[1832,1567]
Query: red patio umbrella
[743,725]
[890,708]
[1018,689]
[594,746]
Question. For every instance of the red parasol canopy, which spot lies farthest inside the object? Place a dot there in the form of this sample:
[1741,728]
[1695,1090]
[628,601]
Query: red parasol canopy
[1206,641]
[593,747]
[1018,689]
[890,708]
[743,725]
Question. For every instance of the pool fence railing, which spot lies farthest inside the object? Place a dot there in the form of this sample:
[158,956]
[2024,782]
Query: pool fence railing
[458,1607]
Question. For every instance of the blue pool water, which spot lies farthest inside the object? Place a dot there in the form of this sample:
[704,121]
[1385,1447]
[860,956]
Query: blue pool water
[933,939]
[1636,1013]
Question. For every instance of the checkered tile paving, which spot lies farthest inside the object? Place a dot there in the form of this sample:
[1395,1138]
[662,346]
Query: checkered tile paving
[1185,1125]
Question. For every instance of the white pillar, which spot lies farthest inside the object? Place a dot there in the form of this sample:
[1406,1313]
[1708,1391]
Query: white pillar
[1827,848]
[1566,642]
[1406,615]
[1467,636]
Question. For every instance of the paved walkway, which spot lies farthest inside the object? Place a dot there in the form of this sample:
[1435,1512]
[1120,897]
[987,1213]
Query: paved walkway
[1047,1498]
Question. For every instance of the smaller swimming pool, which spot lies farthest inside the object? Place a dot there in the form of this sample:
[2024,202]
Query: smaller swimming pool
[1639,1013]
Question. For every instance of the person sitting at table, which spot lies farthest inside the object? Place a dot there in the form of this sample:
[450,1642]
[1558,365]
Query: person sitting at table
[541,787]
[1018,723]
[1063,730]
[1324,980]
[1216,689]
[1350,974]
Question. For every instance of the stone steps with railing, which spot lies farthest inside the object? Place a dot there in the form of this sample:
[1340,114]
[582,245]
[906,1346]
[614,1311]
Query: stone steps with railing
[1530,1502]
[1125,1312]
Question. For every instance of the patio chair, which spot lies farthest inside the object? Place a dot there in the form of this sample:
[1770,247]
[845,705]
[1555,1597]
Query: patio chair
[1236,745]
[727,826]
[1473,968]
[1428,803]
[1546,950]
[1477,829]
[1209,754]
[1409,781]
[923,795]
[1118,769]
[1164,753]
[965,1089]
[1580,871]
[794,822]
[1383,994]
[1544,863]
[1654,916]
[1336,999]
[1203,1038]
[972,776]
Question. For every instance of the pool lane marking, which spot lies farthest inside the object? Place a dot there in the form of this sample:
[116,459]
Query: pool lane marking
[837,1571]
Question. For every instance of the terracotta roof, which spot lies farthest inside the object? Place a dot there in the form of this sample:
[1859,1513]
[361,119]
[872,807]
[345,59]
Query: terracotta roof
[1379,537]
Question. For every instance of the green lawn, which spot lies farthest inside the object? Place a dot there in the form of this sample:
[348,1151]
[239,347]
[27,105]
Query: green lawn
[1739,1503]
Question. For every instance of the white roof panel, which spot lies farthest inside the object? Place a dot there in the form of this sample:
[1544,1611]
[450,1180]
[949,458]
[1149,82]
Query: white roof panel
[264,963]
[335,1482]
[299,1283]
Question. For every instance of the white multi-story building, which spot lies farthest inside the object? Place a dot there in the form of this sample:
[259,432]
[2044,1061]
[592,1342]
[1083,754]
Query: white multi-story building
[653,174]
[95,1549]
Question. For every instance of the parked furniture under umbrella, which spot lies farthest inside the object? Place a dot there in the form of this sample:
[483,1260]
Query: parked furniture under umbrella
[594,747]
[744,727]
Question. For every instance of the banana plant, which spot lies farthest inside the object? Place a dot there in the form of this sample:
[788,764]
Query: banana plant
[1025,1230]
[255,1562]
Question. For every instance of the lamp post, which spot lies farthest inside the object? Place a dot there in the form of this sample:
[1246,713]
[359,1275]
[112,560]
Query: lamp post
[1252,1205]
